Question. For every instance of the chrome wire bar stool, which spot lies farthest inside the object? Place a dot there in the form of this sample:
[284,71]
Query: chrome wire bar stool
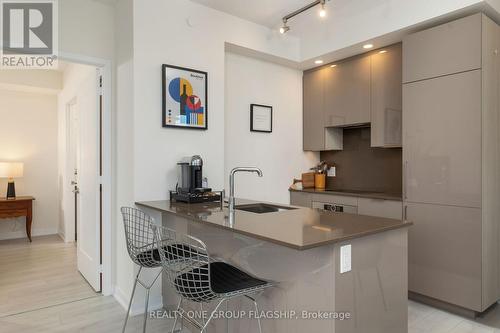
[197,278]
[142,250]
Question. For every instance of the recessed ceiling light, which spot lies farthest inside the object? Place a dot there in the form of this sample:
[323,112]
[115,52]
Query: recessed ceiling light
[383,51]
[367,46]
[333,66]
[318,62]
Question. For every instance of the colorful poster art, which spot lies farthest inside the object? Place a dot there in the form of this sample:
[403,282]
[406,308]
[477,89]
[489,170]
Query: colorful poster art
[184,97]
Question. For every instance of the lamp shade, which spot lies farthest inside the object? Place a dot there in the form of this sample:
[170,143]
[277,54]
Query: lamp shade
[11,170]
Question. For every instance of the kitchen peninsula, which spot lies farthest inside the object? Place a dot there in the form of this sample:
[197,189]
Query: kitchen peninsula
[300,249]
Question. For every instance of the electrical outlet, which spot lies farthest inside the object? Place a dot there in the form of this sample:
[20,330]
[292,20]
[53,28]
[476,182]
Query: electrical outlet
[345,258]
[332,172]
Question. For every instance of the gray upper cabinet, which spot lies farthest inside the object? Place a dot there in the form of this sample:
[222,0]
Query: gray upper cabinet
[446,49]
[347,92]
[386,97]
[313,106]
[360,90]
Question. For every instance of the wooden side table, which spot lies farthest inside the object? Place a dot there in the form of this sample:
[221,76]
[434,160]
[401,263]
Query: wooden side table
[18,207]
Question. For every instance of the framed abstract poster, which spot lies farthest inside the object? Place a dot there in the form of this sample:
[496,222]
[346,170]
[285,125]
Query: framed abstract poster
[185,93]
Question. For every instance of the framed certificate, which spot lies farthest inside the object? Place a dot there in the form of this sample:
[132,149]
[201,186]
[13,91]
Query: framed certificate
[261,118]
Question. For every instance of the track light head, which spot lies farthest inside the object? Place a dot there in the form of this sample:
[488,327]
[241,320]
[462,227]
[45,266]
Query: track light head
[322,11]
[284,29]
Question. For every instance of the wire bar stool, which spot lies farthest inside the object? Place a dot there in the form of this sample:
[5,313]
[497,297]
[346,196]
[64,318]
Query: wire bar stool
[196,277]
[142,250]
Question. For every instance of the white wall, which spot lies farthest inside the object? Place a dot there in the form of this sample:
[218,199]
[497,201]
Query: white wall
[34,80]
[178,32]
[28,133]
[86,27]
[163,36]
[279,154]
[80,85]
[124,133]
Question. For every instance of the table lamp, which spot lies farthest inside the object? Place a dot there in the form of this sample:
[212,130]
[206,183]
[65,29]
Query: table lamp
[11,170]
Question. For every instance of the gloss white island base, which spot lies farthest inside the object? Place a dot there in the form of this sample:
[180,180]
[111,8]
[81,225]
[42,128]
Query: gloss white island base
[373,292]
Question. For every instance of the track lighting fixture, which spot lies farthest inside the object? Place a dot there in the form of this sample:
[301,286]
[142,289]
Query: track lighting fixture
[284,28]
[322,13]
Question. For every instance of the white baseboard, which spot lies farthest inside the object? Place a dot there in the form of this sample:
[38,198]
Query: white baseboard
[22,233]
[155,302]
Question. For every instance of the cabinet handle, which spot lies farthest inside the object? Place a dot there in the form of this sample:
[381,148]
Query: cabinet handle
[405,180]
[405,214]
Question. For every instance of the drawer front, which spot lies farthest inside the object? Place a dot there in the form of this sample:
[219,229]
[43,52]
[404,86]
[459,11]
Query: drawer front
[337,199]
[382,208]
[12,205]
[300,199]
[9,213]
[446,49]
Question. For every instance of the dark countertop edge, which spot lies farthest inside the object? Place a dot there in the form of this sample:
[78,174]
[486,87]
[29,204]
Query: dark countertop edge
[292,246]
[368,195]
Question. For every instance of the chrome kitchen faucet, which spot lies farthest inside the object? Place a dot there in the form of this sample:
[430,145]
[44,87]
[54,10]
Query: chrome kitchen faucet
[231,182]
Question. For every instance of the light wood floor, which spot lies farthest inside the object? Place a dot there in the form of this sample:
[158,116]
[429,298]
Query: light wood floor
[39,274]
[41,291]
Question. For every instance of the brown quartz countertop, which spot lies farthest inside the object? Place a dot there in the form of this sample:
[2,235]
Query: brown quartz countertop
[300,228]
[358,194]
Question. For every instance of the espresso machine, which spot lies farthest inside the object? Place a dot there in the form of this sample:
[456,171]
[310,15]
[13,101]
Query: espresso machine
[190,187]
[190,175]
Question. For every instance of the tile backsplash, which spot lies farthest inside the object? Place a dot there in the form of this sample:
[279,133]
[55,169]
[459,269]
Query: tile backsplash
[361,167]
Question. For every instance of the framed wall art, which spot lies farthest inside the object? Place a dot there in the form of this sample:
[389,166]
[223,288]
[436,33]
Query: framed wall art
[185,94]
[261,118]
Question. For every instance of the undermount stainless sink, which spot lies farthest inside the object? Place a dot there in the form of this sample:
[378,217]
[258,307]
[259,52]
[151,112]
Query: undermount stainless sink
[263,208]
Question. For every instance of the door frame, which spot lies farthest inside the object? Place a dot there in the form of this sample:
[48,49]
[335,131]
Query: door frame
[106,179]
[72,102]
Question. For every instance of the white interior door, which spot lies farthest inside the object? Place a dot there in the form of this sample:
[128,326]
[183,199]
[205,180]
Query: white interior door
[88,207]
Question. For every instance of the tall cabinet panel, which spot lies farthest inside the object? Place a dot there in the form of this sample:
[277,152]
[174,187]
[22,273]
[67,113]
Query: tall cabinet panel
[347,92]
[386,97]
[313,106]
[451,158]
[491,159]
[444,246]
[442,140]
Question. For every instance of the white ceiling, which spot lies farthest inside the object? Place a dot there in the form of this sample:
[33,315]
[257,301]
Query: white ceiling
[268,13]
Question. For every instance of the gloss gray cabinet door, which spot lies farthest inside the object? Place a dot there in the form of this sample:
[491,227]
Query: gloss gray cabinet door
[347,92]
[386,97]
[301,199]
[390,209]
[444,253]
[446,49]
[313,108]
[442,140]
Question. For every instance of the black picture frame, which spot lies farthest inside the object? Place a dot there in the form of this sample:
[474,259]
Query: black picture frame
[252,118]
[164,68]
